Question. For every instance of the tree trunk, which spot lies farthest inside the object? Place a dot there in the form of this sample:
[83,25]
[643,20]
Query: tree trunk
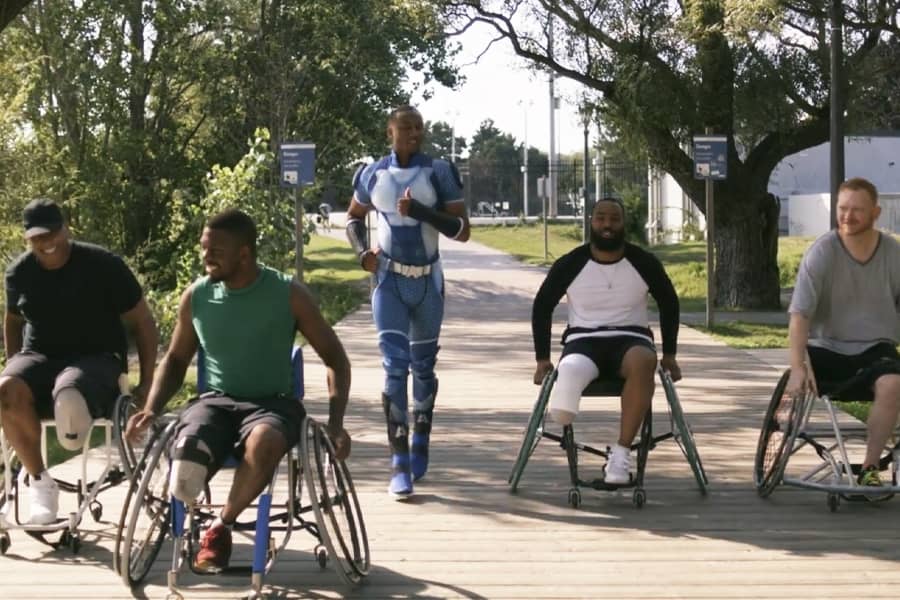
[746,249]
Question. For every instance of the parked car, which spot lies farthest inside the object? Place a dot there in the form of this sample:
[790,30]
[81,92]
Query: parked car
[486,209]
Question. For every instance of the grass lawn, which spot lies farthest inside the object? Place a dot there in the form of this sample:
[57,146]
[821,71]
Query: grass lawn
[749,336]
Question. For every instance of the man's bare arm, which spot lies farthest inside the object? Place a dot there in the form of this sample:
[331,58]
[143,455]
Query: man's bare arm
[142,325]
[13,333]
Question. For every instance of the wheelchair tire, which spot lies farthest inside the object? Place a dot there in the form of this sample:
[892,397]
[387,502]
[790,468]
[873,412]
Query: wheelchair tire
[533,431]
[776,438]
[684,437]
[146,512]
[341,527]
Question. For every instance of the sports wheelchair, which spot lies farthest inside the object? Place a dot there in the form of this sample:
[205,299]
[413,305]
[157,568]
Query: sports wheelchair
[788,428]
[119,461]
[327,507]
[679,431]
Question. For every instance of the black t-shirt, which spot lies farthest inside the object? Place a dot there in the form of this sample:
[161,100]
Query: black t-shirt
[74,310]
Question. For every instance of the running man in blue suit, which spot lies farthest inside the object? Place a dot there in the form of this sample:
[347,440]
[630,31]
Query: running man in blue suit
[416,198]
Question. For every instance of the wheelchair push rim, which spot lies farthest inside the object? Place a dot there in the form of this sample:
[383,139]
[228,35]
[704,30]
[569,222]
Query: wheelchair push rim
[137,546]
[777,435]
[533,431]
[335,504]
[684,437]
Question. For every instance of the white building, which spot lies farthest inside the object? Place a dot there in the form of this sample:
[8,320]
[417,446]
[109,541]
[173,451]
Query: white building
[801,182]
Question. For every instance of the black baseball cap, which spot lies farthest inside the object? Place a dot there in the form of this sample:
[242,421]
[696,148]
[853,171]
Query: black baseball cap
[41,216]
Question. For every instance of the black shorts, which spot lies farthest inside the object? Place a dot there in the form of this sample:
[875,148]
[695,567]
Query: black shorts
[224,423]
[95,376]
[853,376]
[607,352]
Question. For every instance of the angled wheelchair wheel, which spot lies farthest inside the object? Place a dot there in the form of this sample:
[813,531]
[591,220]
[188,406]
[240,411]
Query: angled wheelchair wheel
[776,438]
[123,409]
[14,467]
[683,434]
[533,431]
[145,519]
[330,489]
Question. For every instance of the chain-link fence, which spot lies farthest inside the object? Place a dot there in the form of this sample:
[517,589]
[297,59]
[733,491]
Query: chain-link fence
[497,189]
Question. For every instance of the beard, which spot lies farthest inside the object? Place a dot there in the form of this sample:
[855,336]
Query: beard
[607,244]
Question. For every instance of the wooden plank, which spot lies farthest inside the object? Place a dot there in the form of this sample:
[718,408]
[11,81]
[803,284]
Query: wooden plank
[465,536]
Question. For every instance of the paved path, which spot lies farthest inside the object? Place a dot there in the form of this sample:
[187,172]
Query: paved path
[465,536]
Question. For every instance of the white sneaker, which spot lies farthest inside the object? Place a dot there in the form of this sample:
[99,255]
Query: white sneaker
[43,495]
[618,466]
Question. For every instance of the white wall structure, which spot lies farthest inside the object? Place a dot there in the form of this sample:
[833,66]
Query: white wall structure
[809,214]
[800,181]
[672,216]
[877,158]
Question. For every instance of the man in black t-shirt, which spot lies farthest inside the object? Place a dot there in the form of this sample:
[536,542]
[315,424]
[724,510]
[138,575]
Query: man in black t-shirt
[65,344]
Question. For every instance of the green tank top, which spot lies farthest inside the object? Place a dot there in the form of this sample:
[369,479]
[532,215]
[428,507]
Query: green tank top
[246,334]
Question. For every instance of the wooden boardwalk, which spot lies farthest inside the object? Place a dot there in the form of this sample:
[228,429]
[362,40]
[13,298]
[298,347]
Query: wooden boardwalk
[465,536]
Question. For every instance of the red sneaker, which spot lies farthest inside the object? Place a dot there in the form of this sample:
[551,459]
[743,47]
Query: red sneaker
[215,550]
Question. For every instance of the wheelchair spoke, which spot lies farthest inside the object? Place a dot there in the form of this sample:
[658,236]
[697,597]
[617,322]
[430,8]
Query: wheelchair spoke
[335,504]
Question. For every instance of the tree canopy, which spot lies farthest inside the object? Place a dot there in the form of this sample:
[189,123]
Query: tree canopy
[659,72]
[119,109]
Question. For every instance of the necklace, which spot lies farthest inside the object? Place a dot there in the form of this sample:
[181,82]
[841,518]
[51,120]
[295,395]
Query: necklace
[609,280]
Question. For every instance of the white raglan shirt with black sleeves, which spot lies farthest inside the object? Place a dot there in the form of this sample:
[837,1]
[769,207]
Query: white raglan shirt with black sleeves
[606,299]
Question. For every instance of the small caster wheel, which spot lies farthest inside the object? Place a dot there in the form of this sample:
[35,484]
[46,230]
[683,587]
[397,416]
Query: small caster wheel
[4,543]
[321,557]
[75,543]
[639,498]
[833,502]
[575,497]
[97,511]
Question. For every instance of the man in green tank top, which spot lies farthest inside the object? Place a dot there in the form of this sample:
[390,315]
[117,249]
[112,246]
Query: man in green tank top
[244,316]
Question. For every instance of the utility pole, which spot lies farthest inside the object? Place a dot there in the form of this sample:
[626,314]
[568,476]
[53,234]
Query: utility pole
[585,195]
[525,106]
[837,104]
[551,159]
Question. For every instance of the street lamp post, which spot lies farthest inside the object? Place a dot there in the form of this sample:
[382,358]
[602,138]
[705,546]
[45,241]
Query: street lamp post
[586,114]
[525,105]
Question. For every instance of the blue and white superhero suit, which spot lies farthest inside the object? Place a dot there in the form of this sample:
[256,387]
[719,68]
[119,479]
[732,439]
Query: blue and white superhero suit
[408,301]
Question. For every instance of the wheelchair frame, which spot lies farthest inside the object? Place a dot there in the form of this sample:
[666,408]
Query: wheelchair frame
[679,431]
[87,490]
[337,522]
[786,430]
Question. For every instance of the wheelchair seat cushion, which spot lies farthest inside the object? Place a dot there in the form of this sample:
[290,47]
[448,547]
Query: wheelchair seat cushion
[604,387]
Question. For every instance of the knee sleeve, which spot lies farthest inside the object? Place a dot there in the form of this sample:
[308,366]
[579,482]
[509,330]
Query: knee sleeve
[395,360]
[73,418]
[397,424]
[190,468]
[424,357]
[574,373]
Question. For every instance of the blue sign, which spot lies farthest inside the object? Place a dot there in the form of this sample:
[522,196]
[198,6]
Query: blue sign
[298,163]
[710,157]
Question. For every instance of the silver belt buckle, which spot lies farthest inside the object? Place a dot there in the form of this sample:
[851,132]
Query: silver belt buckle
[413,271]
